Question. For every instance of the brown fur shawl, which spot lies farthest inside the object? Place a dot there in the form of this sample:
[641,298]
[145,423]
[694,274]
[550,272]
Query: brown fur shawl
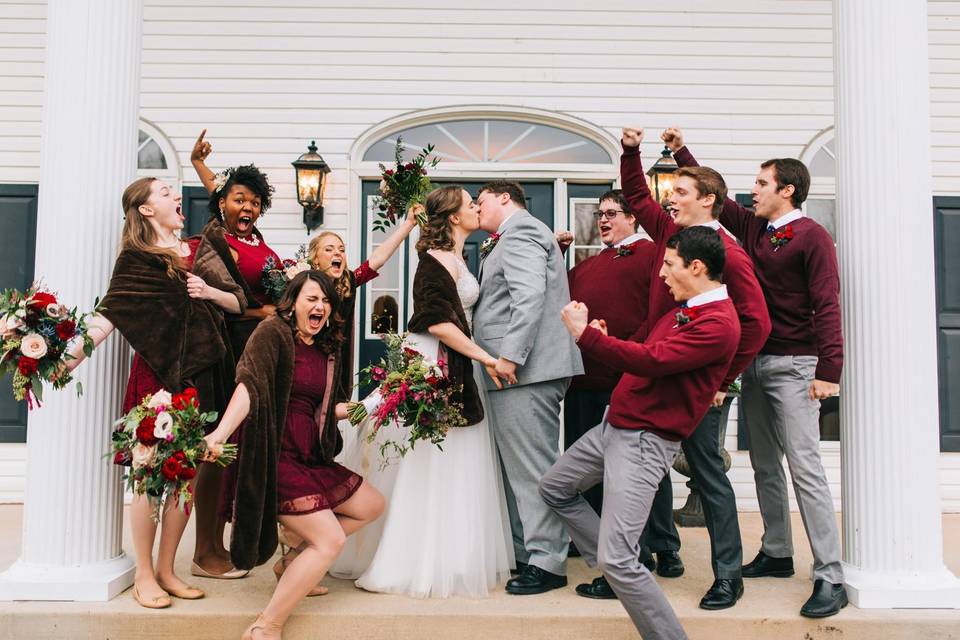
[214,259]
[179,337]
[436,300]
[266,370]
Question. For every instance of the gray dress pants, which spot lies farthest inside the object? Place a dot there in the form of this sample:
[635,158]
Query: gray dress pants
[783,420]
[630,463]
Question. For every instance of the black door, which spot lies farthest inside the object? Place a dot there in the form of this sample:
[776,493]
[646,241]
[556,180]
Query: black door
[18,233]
[389,292]
[195,210]
[946,230]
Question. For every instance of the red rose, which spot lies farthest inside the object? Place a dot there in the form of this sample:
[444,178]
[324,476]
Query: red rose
[187,473]
[788,232]
[388,172]
[66,329]
[432,380]
[179,455]
[409,166]
[145,431]
[171,468]
[185,399]
[42,299]
[121,458]
[27,366]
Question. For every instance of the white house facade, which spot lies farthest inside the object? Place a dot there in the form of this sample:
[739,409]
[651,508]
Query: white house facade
[521,89]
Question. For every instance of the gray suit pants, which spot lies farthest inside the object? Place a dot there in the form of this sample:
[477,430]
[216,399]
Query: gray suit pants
[783,420]
[526,428]
[630,463]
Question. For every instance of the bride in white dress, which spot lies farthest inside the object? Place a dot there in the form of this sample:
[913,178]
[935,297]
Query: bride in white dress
[446,530]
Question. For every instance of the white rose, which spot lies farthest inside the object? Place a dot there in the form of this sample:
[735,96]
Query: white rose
[9,326]
[164,425]
[33,346]
[161,398]
[56,311]
[294,269]
[142,455]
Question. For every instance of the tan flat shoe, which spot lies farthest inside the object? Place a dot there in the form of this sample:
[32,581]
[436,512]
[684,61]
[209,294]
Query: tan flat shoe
[188,593]
[262,624]
[160,602]
[281,565]
[234,574]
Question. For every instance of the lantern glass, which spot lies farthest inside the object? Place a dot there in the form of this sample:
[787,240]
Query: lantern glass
[309,186]
[662,176]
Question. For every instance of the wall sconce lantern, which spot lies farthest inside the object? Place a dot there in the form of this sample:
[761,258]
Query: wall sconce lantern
[661,178]
[311,179]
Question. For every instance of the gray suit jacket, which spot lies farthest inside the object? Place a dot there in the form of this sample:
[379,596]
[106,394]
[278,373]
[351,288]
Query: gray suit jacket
[523,287]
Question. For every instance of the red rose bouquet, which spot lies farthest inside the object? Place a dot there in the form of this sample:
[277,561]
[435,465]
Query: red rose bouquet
[403,185]
[412,390]
[36,331]
[162,441]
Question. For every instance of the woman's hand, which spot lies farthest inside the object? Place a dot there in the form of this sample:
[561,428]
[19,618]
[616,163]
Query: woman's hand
[414,211]
[490,364]
[214,447]
[201,149]
[197,288]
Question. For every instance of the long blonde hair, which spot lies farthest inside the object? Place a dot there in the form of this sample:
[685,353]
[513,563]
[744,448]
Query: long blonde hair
[313,252]
[138,234]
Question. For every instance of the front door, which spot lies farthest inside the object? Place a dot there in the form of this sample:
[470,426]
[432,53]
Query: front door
[947,239]
[384,302]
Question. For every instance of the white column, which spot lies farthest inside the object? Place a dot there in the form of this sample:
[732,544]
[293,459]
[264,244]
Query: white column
[73,501]
[892,533]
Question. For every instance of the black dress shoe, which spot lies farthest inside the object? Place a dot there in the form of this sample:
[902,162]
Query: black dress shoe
[764,566]
[669,564]
[647,559]
[599,589]
[533,580]
[827,600]
[723,594]
[520,566]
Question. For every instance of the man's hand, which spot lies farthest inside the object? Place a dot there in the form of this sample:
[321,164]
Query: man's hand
[673,138]
[507,370]
[574,316]
[820,389]
[564,238]
[718,398]
[201,149]
[600,325]
[632,137]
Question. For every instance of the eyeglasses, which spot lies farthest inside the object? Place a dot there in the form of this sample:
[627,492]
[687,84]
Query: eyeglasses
[609,214]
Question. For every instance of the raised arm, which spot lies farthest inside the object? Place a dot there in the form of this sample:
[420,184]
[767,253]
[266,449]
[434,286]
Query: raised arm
[198,157]
[389,246]
[735,216]
[654,220]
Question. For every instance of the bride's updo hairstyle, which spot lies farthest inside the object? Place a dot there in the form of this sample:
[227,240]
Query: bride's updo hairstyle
[441,204]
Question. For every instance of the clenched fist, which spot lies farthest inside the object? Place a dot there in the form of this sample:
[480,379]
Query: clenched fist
[632,137]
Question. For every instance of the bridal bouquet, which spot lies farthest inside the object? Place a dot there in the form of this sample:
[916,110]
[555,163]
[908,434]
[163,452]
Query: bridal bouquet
[275,277]
[412,390]
[36,330]
[402,186]
[161,439]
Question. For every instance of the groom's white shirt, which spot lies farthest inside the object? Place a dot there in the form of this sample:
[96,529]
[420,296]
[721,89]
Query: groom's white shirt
[503,223]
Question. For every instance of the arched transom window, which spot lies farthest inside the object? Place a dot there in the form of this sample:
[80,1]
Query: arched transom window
[156,155]
[494,141]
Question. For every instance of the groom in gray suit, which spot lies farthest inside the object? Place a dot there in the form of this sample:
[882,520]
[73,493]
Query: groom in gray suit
[523,287]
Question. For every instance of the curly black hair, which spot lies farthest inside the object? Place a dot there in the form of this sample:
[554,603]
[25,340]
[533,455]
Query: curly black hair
[250,177]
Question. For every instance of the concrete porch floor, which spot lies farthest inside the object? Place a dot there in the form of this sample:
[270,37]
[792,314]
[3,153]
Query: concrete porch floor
[769,608]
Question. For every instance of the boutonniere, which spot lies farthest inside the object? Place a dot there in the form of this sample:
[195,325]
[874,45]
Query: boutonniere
[624,250]
[781,237]
[684,316]
[487,245]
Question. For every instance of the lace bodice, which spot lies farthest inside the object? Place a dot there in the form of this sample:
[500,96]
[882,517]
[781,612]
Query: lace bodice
[469,289]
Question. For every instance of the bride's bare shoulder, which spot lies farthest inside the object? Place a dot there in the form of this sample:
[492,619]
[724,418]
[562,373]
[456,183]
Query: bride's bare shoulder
[448,260]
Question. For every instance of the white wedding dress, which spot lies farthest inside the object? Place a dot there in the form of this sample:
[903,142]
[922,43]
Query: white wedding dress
[446,530]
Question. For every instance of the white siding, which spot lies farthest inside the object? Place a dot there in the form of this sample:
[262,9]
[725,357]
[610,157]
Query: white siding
[746,80]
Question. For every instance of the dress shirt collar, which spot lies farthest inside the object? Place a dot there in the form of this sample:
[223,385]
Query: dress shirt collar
[714,295]
[784,220]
